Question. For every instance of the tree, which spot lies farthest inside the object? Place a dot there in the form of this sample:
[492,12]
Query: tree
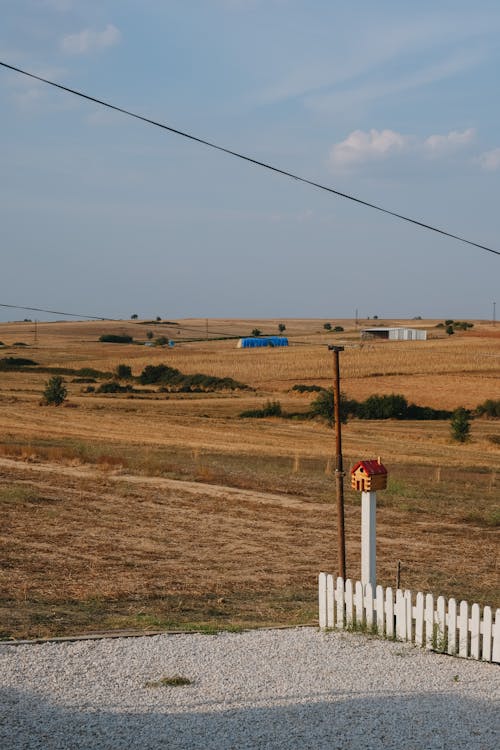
[450,330]
[281,327]
[149,335]
[134,316]
[338,329]
[460,426]
[327,326]
[55,391]
[323,406]
[123,372]
[256,332]
[158,318]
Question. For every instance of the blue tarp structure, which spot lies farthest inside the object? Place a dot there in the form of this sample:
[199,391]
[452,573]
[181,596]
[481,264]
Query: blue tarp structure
[253,341]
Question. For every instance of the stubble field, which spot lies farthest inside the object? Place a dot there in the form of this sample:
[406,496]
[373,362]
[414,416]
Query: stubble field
[152,510]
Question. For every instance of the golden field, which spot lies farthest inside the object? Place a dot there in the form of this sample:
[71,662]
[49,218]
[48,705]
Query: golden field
[155,510]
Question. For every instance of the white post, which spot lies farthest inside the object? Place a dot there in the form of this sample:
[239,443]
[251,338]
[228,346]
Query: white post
[368,539]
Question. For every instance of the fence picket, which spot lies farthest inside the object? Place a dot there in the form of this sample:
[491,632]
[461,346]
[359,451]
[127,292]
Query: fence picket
[487,628]
[349,603]
[475,635]
[379,606]
[495,656]
[322,599]
[330,599]
[419,620]
[400,610]
[429,621]
[440,635]
[463,629]
[369,606]
[409,616]
[389,613]
[340,602]
[452,626]
[358,602]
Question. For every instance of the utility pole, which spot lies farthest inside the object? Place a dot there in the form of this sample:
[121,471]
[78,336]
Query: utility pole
[494,313]
[339,468]
[36,333]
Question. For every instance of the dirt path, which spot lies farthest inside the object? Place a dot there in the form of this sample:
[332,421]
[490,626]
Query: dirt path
[196,488]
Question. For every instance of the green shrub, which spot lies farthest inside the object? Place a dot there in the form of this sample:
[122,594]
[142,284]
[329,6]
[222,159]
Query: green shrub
[460,427]
[161,341]
[123,372]
[114,387]
[15,363]
[256,332]
[489,408]
[327,326]
[338,329]
[114,338]
[271,409]
[55,391]
[323,406]
[393,406]
[307,388]
[450,330]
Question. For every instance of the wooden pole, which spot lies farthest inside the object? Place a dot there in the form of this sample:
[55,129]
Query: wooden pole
[339,468]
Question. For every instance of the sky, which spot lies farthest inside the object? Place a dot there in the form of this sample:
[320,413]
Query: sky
[393,102]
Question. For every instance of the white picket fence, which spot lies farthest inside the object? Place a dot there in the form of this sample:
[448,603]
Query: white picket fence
[440,626]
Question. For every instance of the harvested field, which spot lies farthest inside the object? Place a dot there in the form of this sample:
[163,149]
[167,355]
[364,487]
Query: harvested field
[158,510]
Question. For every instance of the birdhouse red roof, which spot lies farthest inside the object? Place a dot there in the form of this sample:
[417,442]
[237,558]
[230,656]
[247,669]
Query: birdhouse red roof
[371,467]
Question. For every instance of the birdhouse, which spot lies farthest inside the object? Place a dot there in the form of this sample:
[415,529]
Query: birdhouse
[368,476]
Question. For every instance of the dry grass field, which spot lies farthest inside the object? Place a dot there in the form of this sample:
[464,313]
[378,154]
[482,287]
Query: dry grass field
[152,510]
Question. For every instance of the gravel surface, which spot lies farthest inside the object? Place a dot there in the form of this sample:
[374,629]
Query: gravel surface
[298,688]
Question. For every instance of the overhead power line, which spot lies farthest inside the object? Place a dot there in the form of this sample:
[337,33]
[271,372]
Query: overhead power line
[56,312]
[250,159]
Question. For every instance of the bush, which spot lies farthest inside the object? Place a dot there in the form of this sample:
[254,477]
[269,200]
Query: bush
[114,338]
[271,409]
[307,388]
[256,332]
[161,341]
[114,387]
[460,427]
[16,363]
[450,330]
[489,408]
[327,326]
[393,406]
[323,407]
[124,372]
[55,391]
[338,329]
[281,327]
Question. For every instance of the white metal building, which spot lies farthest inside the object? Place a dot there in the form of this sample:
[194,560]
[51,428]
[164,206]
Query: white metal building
[394,334]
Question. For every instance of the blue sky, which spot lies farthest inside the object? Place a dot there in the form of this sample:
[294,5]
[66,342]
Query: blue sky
[394,102]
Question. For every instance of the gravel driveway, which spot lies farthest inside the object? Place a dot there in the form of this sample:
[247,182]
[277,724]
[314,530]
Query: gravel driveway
[298,688]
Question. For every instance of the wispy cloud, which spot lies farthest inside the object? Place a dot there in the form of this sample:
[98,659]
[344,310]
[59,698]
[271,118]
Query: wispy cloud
[375,145]
[89,40]
[490,160]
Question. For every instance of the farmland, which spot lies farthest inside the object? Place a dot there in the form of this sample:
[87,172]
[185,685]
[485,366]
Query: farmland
[155,508]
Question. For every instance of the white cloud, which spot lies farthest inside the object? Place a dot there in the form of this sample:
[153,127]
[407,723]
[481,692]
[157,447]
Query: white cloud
[88,40]
[490,160]
[375,145]
[360,146]
[438,144]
